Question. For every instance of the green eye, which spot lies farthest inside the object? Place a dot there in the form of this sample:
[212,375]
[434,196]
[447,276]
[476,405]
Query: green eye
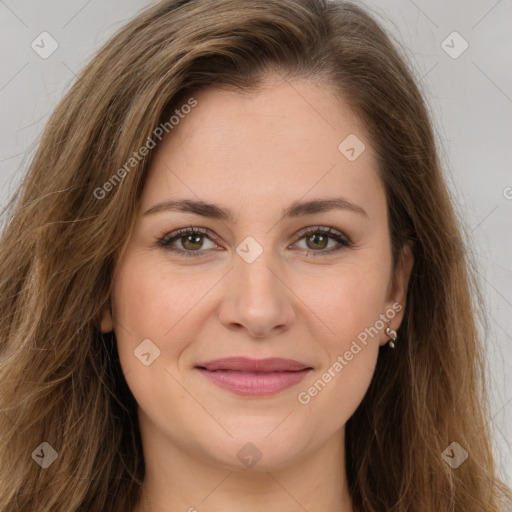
[192,241]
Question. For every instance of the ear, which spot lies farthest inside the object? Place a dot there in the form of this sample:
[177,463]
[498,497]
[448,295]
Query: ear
[107,325]
[397,290]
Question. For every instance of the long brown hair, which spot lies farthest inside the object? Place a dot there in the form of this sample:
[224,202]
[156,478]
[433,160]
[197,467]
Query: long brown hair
[61,381]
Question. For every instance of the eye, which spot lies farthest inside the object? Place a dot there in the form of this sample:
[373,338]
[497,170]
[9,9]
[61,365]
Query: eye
[317,239]
[192,239]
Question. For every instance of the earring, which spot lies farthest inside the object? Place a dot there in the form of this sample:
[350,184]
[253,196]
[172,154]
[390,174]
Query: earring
[393,335]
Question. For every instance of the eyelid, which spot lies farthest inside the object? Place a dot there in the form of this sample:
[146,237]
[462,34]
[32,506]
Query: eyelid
[324,229]
[165,240]
[343,240]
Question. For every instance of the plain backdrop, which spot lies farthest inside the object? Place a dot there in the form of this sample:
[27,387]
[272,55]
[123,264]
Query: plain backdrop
[466,78]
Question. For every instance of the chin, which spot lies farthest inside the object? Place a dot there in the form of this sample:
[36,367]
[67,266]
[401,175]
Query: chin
[258,451]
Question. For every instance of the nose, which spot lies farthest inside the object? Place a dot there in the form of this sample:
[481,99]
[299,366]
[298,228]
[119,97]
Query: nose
[256,298]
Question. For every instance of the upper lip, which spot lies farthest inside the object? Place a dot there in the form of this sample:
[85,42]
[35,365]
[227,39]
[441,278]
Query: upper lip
[246,364]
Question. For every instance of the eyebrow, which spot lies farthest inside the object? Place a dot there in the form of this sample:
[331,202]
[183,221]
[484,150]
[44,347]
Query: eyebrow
[215,211]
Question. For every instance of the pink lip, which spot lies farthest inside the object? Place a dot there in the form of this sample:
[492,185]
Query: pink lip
[254,377]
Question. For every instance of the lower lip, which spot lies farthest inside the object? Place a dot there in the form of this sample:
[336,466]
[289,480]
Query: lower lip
[252,383]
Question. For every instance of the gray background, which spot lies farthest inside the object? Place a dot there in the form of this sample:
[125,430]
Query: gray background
[470,98]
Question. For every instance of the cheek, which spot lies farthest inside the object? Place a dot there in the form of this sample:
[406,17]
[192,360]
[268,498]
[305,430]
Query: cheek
[145,306]
[350,307]
[162,305]
[150,300]
[351,302]
[171,308]
[148,305]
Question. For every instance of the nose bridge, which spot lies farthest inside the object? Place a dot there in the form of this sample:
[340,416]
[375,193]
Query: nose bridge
[254,270]
[258,298]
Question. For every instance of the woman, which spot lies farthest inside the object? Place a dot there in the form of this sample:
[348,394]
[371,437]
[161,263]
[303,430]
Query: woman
[233,279]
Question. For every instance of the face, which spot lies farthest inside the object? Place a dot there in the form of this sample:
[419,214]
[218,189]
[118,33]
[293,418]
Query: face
[256,277]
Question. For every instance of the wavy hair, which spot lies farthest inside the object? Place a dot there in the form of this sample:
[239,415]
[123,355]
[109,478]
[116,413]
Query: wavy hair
[61,381]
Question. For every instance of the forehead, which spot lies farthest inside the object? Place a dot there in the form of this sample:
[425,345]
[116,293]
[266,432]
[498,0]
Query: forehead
[283,143]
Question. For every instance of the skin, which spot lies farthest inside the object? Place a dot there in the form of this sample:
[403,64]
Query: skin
[254,154]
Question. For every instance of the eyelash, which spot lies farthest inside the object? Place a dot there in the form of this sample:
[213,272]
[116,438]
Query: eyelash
[166,240]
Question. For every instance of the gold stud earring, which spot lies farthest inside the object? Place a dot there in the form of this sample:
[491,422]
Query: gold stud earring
[393,335]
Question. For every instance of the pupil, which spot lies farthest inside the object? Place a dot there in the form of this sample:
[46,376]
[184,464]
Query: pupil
[193,239]
[315,238]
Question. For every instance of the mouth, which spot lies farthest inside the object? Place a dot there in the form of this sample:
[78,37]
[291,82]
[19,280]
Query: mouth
[254,377]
